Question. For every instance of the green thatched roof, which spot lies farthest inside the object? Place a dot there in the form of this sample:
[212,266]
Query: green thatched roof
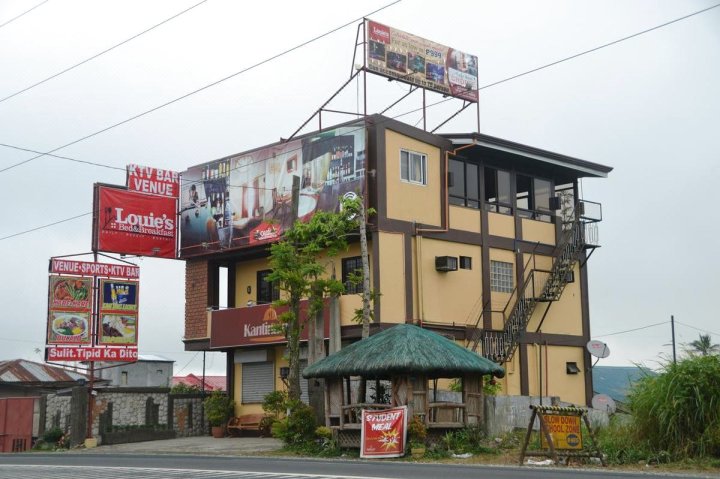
[403,349]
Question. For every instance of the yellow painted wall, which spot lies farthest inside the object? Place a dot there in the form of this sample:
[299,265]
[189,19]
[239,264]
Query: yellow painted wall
[511,381]
[455,296]
[466,219]
[501,225]
[565,315]
[246,275]
[409,201]
[499,300]
[392,277]
[556,381]
[535,231]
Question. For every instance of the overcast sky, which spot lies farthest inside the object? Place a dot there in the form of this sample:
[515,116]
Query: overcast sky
[647,106]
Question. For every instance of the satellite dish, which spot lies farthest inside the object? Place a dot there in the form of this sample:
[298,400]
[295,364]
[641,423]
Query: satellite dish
[603,402]
[598,349]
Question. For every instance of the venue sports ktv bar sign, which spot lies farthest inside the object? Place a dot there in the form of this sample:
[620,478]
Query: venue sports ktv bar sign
[405,57]
[92,311]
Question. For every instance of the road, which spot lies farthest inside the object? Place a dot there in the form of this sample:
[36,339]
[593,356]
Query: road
[138,466]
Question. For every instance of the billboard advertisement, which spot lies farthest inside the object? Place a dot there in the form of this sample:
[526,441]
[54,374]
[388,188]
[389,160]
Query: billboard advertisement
[383,433]
[92,311]
[128,222]
[247,199]
[396,54]
[153,181]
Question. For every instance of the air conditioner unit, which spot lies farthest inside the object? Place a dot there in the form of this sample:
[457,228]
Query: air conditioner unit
[446,263]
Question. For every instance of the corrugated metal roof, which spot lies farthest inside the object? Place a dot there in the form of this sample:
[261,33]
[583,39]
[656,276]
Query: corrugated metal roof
[24,371]
[154,358]
[212,383]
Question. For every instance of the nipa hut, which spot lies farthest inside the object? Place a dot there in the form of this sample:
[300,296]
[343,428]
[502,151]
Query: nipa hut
[409,357]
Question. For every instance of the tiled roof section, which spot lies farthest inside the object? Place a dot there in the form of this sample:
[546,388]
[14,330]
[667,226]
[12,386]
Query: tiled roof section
[212,383]
[20,371]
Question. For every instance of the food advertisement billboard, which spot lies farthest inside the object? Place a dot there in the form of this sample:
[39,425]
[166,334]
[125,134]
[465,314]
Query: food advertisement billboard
[128,222]
[92,311]
[405,57]
[247,199]
[383,432]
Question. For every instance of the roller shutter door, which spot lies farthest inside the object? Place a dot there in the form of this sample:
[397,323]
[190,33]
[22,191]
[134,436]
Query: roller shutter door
[257,380]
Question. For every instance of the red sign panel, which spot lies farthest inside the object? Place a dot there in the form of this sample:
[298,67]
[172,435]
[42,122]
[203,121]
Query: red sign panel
[84,268]
[59,353]
[383,433]
[128,222]
[254,325]
[153,181]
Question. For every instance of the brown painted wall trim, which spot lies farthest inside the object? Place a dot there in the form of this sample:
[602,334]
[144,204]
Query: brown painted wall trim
[197,344]
[409,311]
[553,339]
[585,307]
[524,379]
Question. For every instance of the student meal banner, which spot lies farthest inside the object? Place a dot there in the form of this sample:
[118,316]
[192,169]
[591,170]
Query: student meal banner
[247,199]
[411,59]
[383,433]
[128,222]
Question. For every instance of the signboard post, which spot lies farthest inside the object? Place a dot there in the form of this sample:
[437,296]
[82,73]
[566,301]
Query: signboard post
[383,433]
[561,434]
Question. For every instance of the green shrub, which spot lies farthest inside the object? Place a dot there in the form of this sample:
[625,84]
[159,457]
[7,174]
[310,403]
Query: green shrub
[182,388]
[52,436]
[275,402]
[678,411]
[298,428]
[620,443]
[218,408]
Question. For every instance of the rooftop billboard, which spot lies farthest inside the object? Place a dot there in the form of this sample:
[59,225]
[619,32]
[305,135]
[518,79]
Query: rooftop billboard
[405,57]
[246,199]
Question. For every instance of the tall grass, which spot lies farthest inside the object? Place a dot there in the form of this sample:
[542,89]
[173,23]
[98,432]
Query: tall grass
[678,411]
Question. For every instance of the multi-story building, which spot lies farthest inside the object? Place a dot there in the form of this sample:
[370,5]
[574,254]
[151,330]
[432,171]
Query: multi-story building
[478,238]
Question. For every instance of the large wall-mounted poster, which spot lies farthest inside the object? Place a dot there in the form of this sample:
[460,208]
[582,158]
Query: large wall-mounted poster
[246,199]
[396,54]
[128,222]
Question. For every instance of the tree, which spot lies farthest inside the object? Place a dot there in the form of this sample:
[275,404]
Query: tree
[295,263]
[703,346]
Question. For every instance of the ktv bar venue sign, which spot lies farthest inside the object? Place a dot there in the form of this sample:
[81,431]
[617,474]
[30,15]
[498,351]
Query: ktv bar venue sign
[78,328]
[153,181]
[128,222]
[405,57]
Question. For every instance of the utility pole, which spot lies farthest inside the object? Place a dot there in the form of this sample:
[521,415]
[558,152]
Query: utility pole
[672,326]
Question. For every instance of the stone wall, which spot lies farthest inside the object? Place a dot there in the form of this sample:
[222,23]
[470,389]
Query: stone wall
[112,407]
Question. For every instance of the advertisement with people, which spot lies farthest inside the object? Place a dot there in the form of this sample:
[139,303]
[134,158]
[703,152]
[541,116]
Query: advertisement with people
[247,199]
[128,222]
[405,57]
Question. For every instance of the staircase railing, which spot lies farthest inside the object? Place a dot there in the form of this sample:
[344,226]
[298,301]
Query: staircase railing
[538,286]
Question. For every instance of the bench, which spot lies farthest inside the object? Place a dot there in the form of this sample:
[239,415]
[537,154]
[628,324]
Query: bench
[246,422]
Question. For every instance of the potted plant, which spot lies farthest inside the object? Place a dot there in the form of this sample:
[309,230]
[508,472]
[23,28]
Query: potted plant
[417,432]
[218,409]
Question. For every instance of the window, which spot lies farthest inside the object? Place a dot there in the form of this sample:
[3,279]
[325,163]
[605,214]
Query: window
[267,291]
[413,167]
[465,262]
[350,266]
[464,188]
[497,191]
[533,197]
[501,276]
[123,378]
[258,379]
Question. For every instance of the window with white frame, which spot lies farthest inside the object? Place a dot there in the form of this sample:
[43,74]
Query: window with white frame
[501,276]
[413,167]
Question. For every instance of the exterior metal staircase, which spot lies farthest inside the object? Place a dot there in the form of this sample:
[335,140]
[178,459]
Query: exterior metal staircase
[540,286]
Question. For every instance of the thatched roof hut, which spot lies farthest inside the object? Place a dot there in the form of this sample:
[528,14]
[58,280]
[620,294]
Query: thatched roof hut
[404,349]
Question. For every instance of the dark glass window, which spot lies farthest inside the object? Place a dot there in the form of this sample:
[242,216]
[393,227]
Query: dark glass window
[465,185]
[497,191]
[267,291]
[465,262]
[533,197]
[349,266]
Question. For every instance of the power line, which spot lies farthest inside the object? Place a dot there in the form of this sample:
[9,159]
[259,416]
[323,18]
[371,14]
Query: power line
[101,53]
[62,157]
[631,330]
[44,226]
[24,13]
[210,85]
[697,329]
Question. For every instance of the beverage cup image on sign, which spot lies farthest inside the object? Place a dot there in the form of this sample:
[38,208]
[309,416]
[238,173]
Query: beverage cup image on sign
[69,328]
